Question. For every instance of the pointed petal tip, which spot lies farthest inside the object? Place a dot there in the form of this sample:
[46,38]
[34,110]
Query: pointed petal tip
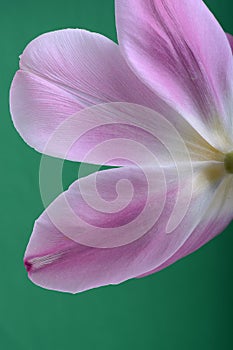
[28,265]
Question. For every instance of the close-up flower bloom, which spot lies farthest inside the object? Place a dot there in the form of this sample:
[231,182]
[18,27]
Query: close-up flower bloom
[160,103]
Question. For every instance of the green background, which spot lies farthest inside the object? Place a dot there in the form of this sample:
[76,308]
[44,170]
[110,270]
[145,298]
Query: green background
[188,306]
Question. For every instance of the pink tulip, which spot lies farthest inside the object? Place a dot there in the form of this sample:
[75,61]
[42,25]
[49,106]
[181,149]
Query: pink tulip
[159,106]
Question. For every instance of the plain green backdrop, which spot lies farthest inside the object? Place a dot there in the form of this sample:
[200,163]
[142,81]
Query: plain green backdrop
[188,306]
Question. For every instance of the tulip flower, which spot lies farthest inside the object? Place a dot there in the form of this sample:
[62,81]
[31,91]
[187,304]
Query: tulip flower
[158,108]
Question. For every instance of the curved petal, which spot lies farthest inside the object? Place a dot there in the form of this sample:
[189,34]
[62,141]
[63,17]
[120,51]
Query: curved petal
[63,72]
[122,133]
[217,217]
[174,46]
[230,40]
[56,257]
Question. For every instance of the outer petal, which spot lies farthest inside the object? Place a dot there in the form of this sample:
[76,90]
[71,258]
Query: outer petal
[178,49]
[63,72]
[55,261]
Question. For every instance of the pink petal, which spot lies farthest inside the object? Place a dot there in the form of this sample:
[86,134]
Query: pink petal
[179,50]
[230,40]
[63,72]
[132,211]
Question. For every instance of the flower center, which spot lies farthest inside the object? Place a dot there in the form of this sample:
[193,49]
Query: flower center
[228,162]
